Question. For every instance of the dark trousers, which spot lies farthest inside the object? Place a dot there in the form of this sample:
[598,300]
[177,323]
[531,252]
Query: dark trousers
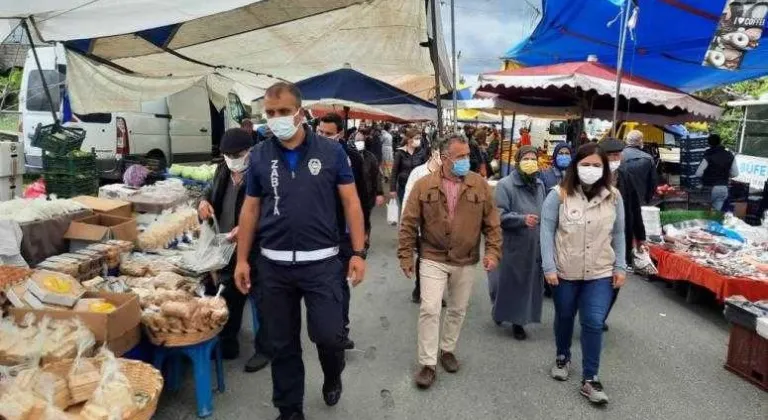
[283,288]
[236,306]
[345,254]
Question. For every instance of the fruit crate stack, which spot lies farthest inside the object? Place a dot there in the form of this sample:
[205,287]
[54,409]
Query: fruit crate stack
[67,170]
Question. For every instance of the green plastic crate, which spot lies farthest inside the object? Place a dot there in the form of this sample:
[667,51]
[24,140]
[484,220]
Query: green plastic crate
[67,186]
[57,139]
[71,163]
[676,216]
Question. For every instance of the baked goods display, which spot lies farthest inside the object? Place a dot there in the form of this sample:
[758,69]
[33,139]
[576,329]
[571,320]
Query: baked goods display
[178,311]
[168,228]
[100,388]
[43,342]
[11,275]
[23,210]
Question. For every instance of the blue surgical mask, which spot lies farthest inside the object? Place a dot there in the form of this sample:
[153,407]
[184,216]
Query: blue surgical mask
[563,161]
[461,167]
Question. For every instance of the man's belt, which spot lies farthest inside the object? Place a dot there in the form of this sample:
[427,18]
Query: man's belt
[300,256]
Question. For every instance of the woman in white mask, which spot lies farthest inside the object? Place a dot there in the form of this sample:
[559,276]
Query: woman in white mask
[223,200]
[583,259]
[407,157]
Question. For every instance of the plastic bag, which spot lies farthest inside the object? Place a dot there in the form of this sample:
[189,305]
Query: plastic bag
[392,212]
[114,397]
[84,376]
[214,251]
[641,259]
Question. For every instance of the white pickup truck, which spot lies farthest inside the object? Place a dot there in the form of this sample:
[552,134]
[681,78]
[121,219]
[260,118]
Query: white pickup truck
[182,128]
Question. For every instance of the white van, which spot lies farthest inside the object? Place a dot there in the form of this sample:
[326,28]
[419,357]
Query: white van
[182,128]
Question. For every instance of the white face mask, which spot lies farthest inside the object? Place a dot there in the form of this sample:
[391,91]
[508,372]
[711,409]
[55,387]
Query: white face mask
[588,175]
[360,145]
[283,127]
[416,143]
[238,164]
[614,165]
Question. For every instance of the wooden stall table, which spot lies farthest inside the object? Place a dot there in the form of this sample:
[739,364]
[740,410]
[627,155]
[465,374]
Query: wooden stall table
[680,267]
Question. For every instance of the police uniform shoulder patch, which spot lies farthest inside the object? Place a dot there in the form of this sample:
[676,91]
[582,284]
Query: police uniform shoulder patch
[315,166]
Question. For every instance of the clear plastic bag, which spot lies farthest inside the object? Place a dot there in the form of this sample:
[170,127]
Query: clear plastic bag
[393,212]
[641,259]
[214,251]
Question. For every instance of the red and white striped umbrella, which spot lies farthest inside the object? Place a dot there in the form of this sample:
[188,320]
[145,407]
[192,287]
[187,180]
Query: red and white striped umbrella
[592,86]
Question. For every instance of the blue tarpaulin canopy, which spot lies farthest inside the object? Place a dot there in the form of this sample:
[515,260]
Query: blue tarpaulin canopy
[363,95]
[670,40]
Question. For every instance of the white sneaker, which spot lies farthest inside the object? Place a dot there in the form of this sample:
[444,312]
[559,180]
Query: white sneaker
[561,369]
[593,390]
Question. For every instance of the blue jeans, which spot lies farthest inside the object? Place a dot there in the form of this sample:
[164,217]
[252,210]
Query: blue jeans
[719,196]
[591,298]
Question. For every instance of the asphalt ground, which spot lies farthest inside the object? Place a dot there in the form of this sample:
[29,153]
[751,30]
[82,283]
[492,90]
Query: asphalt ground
[662,359]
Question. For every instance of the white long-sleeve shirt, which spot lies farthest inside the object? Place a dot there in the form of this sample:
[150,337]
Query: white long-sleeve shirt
[416,174]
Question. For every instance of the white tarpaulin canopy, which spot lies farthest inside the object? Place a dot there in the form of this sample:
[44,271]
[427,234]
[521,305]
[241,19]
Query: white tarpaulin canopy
[252,43]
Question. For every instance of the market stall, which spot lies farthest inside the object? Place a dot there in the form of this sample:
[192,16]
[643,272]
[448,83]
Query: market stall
[728,258]
[118,274]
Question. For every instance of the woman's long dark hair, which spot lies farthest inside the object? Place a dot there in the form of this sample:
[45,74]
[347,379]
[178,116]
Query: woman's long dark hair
[571,179]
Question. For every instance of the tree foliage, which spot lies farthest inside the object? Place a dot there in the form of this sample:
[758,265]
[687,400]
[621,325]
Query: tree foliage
[729,124]
[10,84]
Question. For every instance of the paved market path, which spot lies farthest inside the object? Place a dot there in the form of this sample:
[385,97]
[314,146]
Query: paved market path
[662,360]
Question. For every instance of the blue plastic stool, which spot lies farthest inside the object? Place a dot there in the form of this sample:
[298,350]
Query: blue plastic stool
[200,356]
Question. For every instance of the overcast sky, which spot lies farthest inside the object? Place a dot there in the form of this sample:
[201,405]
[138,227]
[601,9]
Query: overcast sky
[486,29]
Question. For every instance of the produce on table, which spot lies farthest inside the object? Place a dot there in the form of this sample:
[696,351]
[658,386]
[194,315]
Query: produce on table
[168,228]
[11,275]
[49,339]
[176,310]
[203,173]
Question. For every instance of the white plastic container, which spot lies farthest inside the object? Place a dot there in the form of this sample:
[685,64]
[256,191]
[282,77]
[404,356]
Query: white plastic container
[11,158]
[651,220]
[11,187]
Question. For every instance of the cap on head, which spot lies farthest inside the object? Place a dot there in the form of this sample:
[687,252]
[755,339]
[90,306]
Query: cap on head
[611,145]
[524,151]
[235,140]
[634,138]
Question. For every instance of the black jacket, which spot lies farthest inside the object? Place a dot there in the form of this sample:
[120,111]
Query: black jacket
[719,162]
[372,182]
[214,194]
[403,164]
[633,218]
[358,170]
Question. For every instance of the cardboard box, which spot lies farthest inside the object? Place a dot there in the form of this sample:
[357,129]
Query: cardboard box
[740,210]
[99,228]
[120,329]
[105,206]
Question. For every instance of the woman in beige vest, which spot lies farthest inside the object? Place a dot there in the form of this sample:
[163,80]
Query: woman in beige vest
[583,258]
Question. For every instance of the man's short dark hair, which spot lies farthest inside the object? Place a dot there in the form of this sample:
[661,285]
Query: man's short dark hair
[714,140]
[279,88]
[333,118]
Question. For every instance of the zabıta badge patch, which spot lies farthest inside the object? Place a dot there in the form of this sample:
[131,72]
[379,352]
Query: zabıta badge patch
[315,166]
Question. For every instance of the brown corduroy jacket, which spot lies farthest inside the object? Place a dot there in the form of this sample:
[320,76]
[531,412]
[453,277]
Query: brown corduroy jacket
[456,243]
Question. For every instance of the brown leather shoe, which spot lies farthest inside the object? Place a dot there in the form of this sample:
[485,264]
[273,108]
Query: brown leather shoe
[449,362]
[425,377]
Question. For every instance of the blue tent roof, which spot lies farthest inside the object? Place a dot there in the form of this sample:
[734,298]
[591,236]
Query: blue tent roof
[353,86]
[671,36]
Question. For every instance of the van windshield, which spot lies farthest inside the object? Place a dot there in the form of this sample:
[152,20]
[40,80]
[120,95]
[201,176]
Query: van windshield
[36,100]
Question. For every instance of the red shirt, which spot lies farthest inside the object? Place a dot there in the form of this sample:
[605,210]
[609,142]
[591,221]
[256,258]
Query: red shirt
[451,188]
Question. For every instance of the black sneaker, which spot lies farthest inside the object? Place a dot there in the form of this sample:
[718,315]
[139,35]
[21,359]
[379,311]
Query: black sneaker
[332,392]
[256,363]
[416,297]
[292,416]
[605,327]
[519,332]
[348,344]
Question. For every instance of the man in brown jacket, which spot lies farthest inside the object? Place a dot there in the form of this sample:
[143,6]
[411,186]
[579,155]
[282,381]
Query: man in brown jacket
[450,207]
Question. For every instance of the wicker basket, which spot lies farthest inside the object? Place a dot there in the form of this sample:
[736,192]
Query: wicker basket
[181,338]
[143,378]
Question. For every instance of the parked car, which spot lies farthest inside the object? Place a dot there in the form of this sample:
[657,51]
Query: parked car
[182,128]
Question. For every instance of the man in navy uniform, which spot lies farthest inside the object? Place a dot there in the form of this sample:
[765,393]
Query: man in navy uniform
[294,183]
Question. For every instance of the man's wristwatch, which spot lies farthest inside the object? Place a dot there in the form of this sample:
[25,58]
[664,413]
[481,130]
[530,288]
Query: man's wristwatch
[362,254]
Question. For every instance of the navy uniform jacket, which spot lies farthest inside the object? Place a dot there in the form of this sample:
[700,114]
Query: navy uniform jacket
[298,202]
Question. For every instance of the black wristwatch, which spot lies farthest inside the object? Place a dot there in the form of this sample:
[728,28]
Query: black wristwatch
[362,254]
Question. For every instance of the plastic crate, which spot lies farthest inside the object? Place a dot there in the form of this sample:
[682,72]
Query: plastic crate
[748,356]
[57,139]
[66,186]
[69,163]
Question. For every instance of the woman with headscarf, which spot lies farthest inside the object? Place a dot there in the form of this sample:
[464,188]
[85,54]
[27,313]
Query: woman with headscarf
[583,258]
[561,158]
[517,286]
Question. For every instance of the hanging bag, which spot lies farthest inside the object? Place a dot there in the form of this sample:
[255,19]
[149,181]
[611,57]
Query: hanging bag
[392,212]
